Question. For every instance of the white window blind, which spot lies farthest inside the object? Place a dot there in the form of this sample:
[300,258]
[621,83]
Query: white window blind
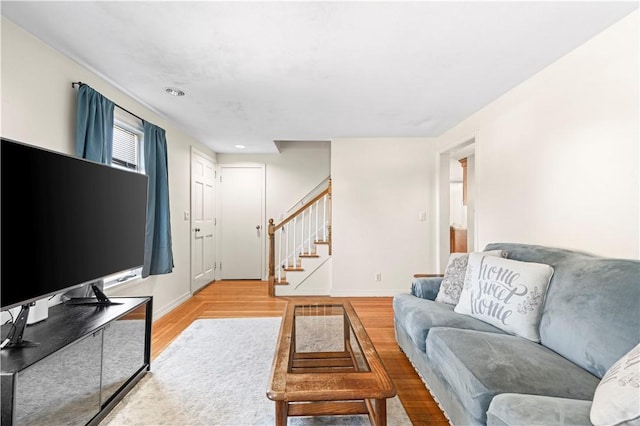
[125,148]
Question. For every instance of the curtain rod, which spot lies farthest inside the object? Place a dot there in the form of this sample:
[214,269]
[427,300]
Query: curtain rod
[79,83]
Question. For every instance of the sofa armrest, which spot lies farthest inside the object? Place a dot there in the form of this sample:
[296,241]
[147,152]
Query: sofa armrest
[426,286]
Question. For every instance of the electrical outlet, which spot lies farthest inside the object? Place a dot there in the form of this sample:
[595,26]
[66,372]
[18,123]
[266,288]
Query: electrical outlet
[378,276]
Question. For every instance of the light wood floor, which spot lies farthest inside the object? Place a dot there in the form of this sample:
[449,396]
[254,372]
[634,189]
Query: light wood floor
[237,299]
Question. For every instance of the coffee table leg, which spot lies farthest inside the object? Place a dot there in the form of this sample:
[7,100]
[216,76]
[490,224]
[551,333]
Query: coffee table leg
[281,413]
[381,412]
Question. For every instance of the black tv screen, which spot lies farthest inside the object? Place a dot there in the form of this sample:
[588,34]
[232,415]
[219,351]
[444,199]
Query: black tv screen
[65,222]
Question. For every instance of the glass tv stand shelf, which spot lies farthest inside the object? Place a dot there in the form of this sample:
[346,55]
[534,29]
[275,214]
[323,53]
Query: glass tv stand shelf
[87,359]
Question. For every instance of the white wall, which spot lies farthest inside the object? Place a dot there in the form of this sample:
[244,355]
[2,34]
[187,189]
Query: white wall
[557,157]
[458,217]
[457,210]
[379,188]
[39,108]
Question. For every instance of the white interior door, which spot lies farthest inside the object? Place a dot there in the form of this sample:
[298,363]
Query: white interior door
[202,220]
[241,236]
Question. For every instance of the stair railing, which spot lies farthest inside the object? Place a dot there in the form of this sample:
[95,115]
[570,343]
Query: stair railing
[297,236]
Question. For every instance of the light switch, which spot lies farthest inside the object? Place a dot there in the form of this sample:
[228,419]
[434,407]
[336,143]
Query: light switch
[186,215]
[422,215]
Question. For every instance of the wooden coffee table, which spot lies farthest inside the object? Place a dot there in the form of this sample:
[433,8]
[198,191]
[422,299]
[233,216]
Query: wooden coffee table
[325,364]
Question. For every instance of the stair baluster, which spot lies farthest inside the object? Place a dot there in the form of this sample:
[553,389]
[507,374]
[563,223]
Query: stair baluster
[295,245]
[309,235]
[279,256]
[324,219]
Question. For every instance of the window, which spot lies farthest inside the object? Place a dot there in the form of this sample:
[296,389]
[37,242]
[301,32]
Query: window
[128,136]
[126,148]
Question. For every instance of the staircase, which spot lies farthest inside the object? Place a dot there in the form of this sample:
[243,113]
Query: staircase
[300,249]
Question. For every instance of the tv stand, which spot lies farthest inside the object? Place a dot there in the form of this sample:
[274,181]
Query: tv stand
[14,338]
[88,358]
[101,299]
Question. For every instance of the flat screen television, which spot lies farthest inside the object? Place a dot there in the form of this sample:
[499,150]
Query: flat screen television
[66,222]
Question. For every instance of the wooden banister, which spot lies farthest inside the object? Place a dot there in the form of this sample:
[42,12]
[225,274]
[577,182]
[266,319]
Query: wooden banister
[301,209]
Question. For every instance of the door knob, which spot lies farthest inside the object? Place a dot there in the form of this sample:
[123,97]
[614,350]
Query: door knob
[258,227]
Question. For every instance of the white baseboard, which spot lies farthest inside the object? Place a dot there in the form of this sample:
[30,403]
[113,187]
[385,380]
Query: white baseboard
[171,306]
[367,293]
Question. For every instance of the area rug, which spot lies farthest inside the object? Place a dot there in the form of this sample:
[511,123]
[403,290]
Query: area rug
[216,373]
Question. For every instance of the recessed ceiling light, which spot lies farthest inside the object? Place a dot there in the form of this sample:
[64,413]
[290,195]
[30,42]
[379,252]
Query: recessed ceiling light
[174,92]
[240,146]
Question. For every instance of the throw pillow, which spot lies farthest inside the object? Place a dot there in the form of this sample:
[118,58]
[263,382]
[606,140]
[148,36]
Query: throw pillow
[505,293]
[454,274]
[617,397]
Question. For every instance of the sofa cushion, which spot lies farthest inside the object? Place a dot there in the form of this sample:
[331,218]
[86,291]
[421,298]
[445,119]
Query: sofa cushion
[454,275]
[518,409]
[617,397]
[418,316]
[479,365]
[506,293]
[591,311]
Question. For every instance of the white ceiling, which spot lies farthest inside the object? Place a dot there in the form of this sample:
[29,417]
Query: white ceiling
[255,72]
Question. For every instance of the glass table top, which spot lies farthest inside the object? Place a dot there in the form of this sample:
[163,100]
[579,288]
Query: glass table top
[323,340]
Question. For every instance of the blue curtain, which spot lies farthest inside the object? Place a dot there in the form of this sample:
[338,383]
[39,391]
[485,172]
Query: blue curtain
[158,256]
[94,126]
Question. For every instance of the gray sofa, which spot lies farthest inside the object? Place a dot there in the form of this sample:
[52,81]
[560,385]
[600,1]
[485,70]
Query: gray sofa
[481,375]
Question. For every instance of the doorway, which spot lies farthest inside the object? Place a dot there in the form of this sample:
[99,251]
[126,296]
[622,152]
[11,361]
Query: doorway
[202,220]
[241,196]
[458,205]
[457,200]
